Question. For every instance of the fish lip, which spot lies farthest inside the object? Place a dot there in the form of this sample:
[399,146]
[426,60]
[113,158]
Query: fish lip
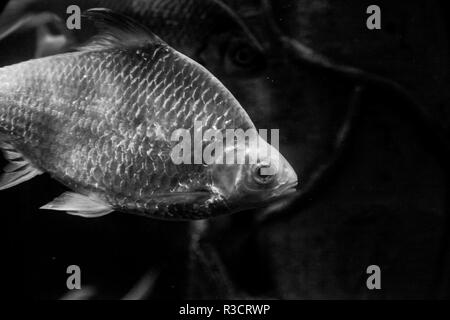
[284,198]
[286,189]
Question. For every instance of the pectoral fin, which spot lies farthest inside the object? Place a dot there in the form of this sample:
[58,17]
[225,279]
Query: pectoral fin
[79,205]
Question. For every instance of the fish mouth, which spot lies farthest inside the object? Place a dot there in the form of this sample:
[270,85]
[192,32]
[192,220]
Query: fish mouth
[284,194]
[281,200]
[286,190]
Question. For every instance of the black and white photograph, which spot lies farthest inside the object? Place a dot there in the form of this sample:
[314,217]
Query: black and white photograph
[225,150]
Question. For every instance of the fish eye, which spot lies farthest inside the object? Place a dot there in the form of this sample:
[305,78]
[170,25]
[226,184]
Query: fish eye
[258,175]
[244,57]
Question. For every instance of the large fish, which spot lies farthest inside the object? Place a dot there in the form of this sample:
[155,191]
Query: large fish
[186,25]
[100,121]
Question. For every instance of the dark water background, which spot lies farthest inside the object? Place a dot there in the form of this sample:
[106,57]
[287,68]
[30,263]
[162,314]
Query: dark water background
[386,202]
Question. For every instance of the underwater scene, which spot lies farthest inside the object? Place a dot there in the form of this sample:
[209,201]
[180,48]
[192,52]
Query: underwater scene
[224,149]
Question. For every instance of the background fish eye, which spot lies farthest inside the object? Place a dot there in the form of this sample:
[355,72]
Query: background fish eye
[240,56]
[243,55]
[247,57]
[231,55]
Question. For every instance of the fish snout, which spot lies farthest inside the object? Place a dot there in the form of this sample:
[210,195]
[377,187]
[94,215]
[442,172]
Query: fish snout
[288,181]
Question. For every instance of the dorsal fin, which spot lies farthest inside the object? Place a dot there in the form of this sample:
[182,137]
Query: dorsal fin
[117,31]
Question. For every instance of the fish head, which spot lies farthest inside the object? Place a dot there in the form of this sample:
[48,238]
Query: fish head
[257,183]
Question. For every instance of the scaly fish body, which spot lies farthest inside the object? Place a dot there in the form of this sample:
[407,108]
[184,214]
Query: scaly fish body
[100,121]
